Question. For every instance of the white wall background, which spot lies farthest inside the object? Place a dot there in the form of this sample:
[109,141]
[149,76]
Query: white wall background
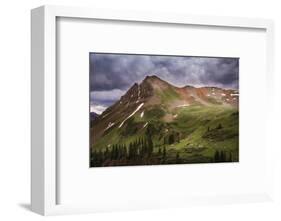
[15,107]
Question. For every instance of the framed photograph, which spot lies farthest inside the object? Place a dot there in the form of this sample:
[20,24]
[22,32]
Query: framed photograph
[185,112]
[138,110]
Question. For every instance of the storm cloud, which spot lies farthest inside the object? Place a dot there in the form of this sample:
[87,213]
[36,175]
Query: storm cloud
[111,75]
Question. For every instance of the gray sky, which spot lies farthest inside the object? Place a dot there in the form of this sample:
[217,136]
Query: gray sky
[111,75]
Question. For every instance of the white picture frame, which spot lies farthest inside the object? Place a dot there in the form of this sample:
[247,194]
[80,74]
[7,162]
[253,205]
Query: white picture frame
[44,102]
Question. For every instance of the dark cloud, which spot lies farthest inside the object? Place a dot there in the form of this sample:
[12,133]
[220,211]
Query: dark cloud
[113,74]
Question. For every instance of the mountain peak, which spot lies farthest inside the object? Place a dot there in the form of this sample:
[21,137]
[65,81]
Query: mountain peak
[152,77]
[154,80]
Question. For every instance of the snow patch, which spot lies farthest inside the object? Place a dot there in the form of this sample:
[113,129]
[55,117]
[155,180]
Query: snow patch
[232,95]
[105,115]
[141,115]
[183,105]
[174,116]
[139,107]
[109,126]
[223,95]
[145,125]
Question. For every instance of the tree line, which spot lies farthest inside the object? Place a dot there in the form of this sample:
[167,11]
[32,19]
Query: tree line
[139,149]
[172,138]
[222,156]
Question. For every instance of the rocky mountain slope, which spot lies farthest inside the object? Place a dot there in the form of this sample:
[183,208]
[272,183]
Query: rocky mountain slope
[195,117]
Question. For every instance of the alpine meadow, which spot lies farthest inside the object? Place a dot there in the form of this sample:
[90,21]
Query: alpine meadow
[152,110]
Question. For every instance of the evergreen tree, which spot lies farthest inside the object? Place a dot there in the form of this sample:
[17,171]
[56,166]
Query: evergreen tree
[93,158]
[171,139]
[219,126]
[106,153]
[230,157]
[150,146]
[222,157]
[130,151]
[125,151]
[142,142]
[217,156]
[178,158]
[112,152]
[99,158]
[145,147]
[164,154]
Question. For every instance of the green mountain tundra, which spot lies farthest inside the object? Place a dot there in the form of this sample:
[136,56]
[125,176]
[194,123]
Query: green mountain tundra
[158,123]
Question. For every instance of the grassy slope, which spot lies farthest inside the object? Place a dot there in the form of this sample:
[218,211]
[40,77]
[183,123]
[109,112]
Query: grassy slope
[192,124]
[168,95]
[196,120]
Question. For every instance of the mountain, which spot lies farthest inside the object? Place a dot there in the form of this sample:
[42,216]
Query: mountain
[195,117]
[93,116]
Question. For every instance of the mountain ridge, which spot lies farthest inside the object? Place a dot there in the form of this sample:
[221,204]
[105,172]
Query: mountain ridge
[153,93]
[155,122]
